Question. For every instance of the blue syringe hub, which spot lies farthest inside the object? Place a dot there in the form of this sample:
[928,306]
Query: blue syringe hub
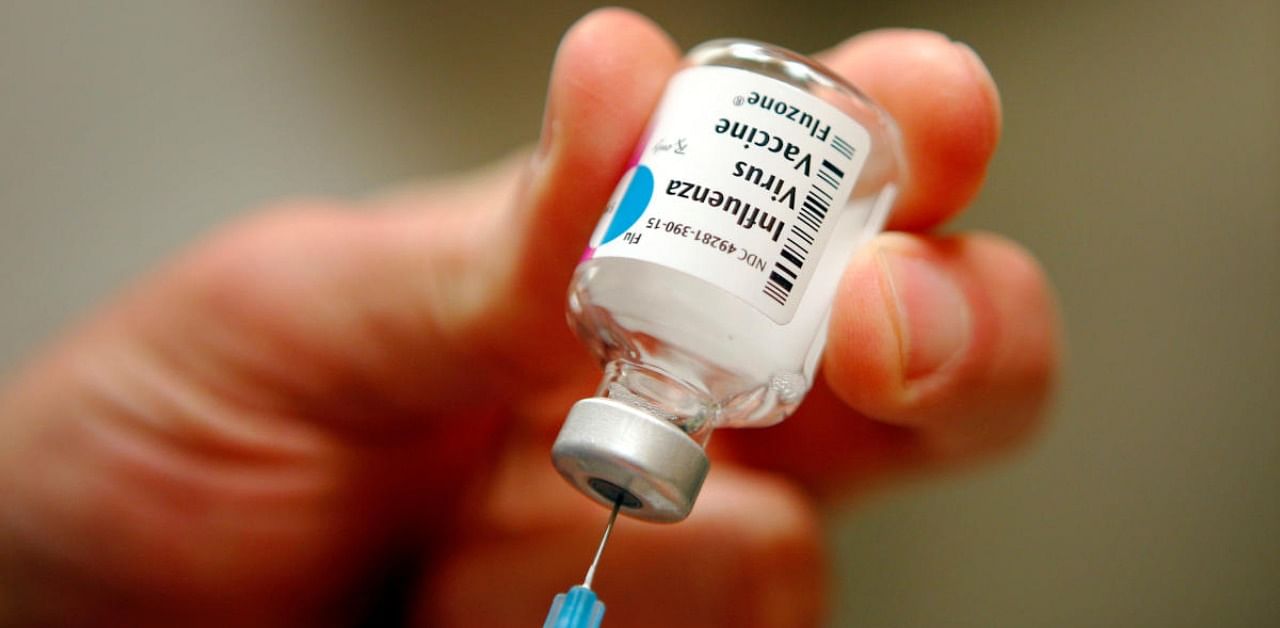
[579,608]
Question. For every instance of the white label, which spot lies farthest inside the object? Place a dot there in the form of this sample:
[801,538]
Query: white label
[737,183]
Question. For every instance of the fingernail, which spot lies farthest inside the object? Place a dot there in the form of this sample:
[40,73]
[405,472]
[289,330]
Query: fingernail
[930,311]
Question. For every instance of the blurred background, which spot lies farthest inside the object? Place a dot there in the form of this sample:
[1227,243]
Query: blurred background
[1140,161]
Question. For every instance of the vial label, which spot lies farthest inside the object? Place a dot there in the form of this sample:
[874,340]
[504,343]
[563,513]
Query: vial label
[738,181]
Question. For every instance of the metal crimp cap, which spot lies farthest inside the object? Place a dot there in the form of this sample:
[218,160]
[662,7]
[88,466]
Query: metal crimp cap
[608,449]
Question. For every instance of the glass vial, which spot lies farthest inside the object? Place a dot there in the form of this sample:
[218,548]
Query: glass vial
[706,287]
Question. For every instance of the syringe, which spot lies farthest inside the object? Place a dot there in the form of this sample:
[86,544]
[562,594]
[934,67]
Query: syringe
[579,607]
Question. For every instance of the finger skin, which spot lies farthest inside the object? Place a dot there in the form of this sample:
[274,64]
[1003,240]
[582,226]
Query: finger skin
[947,109]
[750,555]
[137,495]
[870,418]
[833,451]
[609,72]
[998,382]
[1011,354]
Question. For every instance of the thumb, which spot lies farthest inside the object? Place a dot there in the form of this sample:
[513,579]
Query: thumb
[608,74]
[607,77]
[717,568]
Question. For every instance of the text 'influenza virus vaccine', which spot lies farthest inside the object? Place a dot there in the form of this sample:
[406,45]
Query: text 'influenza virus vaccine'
[706,288]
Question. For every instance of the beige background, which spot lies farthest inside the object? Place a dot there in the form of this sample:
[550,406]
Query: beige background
[1141,160]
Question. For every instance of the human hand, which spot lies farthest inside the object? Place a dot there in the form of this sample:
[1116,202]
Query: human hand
[334,398]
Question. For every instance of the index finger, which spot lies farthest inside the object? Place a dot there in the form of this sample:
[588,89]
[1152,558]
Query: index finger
[946,106]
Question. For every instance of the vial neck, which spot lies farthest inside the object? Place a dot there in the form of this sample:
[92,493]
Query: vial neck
[661,395]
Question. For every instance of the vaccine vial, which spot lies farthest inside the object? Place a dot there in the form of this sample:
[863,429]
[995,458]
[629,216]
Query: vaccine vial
[706,288]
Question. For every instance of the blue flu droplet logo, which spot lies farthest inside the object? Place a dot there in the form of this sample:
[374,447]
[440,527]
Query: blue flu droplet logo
[633,203]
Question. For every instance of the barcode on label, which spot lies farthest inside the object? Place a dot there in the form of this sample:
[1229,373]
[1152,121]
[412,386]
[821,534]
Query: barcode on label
[843,147]
[803,234]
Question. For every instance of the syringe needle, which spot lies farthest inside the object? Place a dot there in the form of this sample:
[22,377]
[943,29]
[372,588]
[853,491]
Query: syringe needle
[591,571]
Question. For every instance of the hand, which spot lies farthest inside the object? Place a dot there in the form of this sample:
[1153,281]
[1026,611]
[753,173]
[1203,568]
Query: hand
[330,401]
